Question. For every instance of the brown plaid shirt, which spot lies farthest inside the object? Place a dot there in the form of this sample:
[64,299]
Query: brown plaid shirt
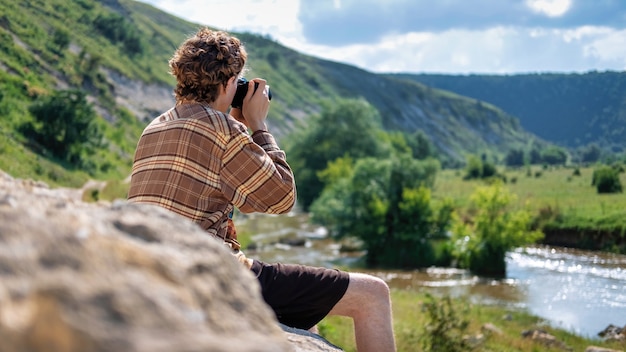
[199,162]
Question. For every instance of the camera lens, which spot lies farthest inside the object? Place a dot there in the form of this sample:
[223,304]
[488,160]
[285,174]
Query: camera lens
[242,90]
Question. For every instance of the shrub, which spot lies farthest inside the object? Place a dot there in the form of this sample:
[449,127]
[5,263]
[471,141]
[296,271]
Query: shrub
[444,330]
[481,243]
[606,179]
[65,126]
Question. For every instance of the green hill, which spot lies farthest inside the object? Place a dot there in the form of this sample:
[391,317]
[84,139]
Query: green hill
[116,52]
[573,110]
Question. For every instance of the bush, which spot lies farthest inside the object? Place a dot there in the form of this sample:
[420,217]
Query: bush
[606,179]
[444,330]
[481,243]
[65,126]
[386,204]
[479,169]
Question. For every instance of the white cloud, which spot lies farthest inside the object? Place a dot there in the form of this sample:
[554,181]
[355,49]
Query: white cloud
[273,17]
[496,49]
[609,48]
[551,8]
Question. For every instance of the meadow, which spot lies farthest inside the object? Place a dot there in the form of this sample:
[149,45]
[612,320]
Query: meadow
[559,191]
[411,322]
[554,193]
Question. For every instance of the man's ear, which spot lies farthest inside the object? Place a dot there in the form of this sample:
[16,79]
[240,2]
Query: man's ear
[232,80]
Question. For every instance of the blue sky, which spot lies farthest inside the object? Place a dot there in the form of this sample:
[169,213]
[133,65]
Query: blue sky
[428,36]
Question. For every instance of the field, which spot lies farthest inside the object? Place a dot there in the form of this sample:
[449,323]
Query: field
[556,193]
[410,321]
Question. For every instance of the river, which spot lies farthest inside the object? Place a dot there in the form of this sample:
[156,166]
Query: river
[581,291]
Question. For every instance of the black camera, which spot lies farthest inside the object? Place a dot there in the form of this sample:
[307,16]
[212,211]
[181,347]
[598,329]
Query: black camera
[242,90]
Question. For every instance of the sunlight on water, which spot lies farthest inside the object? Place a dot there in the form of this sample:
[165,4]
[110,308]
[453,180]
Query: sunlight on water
[581,291]
[578,290]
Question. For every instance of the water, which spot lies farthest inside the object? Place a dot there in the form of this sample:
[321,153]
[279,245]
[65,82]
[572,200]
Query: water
[581,291]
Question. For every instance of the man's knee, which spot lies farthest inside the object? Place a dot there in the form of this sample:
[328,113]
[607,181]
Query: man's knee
[371,286]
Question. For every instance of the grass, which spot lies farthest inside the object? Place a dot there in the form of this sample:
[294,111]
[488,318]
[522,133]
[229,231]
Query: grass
[553,190]
[555,187]
[410,320]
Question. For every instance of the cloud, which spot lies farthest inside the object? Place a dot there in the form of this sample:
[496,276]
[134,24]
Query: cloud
[445,36]
[364,21]
[263,17]
[498,50]
[551,8]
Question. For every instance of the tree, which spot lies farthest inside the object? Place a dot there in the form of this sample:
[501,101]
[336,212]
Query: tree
[591,153]
[387,204]
[420,145]
[65,125]
[481,244]
[554,156]
[479,168]
[606,179]
[60,40]
[344,128]
[515,157]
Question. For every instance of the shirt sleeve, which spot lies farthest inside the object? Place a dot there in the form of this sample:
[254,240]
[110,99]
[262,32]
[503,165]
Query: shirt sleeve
[255,175]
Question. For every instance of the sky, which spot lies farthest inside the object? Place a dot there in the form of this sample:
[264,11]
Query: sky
[431,36]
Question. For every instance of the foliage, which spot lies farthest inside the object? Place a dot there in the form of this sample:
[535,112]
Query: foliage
[64,126]
[515,158]
[60,40]
[409,318]
[444,330]
[495,228]
[344,128]
[421,146]
[387,204]
[118,30]
[590,153]
[554,106]
[554,156]
[479,169]
[606,179]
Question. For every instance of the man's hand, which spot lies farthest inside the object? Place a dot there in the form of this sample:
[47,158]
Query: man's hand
[256,105]
[242,259]
[236,113]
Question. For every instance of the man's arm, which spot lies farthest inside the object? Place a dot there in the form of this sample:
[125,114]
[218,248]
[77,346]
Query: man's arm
[255,175]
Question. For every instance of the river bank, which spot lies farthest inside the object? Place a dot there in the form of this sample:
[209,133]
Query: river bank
[577,293]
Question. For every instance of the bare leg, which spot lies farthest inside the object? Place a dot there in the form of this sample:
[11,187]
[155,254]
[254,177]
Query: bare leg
[368,303]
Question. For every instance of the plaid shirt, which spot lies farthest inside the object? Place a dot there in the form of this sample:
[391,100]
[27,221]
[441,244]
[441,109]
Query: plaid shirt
[200,163]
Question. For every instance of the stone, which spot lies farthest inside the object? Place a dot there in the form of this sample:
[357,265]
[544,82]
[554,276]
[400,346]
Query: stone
[78,276]
[613,333]
[544,338]
[599,349]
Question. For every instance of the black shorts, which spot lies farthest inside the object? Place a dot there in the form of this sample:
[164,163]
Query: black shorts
[301,296]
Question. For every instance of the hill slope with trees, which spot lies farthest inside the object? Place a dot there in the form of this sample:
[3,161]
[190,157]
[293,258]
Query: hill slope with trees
[111,55]
[573,110]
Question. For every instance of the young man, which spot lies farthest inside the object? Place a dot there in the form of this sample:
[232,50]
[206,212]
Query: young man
[199,161]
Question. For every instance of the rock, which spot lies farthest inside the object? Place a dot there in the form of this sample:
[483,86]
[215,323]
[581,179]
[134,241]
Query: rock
[489,328]
[599,349]
[613,333]
[304,340]
[473,341]
[545,339]
[78,276]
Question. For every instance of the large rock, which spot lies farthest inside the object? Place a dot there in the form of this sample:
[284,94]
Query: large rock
[98,277]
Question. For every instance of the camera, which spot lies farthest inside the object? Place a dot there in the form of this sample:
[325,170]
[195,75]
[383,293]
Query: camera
[242,90]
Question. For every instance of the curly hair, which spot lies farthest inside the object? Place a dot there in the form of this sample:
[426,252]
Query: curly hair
[204,62]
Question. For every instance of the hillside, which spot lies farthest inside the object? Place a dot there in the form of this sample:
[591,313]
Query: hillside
[116,51]
[570,109]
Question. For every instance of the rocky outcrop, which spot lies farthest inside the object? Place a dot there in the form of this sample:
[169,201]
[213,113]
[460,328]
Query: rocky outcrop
[77,276]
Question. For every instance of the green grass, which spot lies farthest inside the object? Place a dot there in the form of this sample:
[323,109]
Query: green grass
[409,321]
[556,191]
